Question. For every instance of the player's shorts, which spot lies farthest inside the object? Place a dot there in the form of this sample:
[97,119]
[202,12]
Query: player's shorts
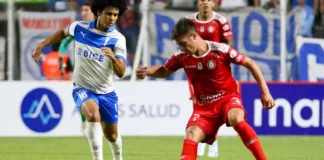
[108,103]
[210,117]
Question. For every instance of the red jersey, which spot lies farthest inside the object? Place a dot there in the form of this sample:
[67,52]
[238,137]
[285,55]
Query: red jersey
[216,29]
[210,74]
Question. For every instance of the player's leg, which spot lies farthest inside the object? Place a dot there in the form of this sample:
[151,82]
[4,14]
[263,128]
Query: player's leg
[213,149]
[111,133]
[193,135]
[201,149]
[236,118]
[109,119]
[89,106]
[90,110]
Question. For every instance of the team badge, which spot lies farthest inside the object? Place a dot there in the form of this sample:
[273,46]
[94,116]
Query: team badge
[211,64]
[200,66]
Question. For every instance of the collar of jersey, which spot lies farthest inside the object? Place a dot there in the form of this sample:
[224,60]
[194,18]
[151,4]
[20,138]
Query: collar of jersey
[206,53]
[196,18]
[93,25]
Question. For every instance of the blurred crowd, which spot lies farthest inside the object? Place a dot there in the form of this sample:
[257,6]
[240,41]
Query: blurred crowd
[312,13]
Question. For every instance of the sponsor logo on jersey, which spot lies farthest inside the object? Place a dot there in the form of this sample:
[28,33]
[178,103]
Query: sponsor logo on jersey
[210,29]
[202,29]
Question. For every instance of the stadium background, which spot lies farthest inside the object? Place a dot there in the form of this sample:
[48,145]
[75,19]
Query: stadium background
[153,112]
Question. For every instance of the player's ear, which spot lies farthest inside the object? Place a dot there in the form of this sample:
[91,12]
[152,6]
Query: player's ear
[194,35]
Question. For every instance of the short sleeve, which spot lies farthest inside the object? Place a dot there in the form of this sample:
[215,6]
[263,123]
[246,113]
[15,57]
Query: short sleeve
[235,56]
[173,63]
[226,30]
[120,49]
[71,28]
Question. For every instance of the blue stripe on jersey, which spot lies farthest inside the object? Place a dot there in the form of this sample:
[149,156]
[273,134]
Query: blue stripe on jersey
[92,39]
[111,43]
[122,57]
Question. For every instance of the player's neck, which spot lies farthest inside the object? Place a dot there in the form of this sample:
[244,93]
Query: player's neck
[202,49]
[99,27]
[205,16]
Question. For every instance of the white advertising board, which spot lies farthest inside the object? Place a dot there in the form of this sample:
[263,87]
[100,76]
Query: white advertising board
[48,109]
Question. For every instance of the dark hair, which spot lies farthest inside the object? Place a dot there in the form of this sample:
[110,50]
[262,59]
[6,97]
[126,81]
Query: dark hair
[99,5]
[182,27]
[87,3]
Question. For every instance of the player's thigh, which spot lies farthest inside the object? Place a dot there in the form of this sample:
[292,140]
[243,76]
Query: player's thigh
[108,108]
[110,131]
[234,111]
[206,123]
[87,103]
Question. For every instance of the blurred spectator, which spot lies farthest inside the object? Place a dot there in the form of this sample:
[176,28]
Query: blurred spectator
[318,29]
[129,25]
[272,6]
[307,18]
[216,2]
[233,4]
[258,3]
[57,5]
[160,4]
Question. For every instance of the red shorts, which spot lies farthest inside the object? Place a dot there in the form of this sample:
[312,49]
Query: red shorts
[210,117]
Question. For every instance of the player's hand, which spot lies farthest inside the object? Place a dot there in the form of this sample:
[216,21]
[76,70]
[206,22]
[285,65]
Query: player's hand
[267,101]
[141,72]
[37,54]
[108,52]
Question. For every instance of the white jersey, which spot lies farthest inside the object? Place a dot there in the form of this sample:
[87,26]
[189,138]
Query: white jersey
[93,70]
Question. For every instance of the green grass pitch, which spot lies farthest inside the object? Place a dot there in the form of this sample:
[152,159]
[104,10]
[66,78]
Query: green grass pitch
[157,148]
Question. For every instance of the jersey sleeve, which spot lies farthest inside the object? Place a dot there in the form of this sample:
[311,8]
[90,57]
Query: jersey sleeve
[235,56]
[173,63]
[120,48]
[71,28]
[226,31]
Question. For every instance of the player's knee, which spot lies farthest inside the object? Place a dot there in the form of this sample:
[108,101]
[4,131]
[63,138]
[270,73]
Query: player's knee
[111,137]
[194,134]
[235,116]
[93,116]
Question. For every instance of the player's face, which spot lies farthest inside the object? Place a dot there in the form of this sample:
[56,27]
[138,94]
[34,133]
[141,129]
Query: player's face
[205,5]
[86,13]
[108,17]
[187,43]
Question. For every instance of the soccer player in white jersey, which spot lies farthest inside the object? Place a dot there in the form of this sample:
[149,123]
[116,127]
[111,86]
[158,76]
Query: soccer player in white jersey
[100,52]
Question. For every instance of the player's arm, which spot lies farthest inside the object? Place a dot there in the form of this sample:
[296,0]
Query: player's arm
[266,99]
[118,56]
[159,71]
[226,32]
[118,63]
[240,59]
[53,39]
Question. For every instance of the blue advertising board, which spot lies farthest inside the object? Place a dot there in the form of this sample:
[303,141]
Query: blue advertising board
[299,109]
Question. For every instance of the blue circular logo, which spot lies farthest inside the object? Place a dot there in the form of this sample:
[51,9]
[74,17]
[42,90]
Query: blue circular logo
[41,110]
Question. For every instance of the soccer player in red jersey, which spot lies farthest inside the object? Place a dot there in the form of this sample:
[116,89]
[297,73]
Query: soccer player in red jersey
[211,26]
[207,66]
